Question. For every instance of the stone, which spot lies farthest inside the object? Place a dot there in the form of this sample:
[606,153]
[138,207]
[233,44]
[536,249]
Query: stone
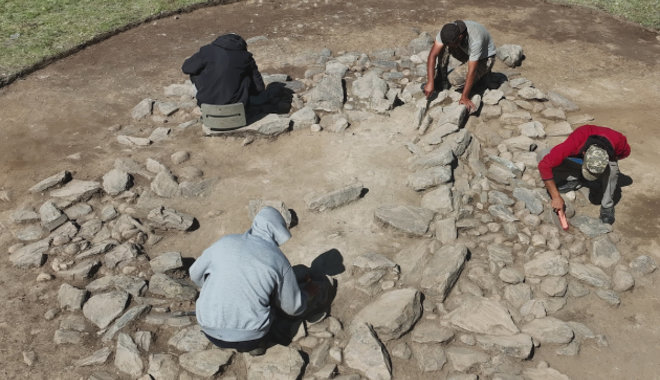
[255,205]
[127,356]
[590,274]
[439,132]
[430,177]
[517,294]
[520,82]
[24,215]
[442,270]
[335,123]
[29,358]
[77,211]
[81,271]
[622,280]
[77,190]
[533,129]
[531,199]
[500,175]
[163,367]
[546,264]
[189,339]
[162,285]
[462,359]
[129,316]
[166,261]
[543,374]
[180,89]
[96,358]
[30,256]
[365,353]
[115,181]
[511,55]
[531,93]
[492,97]
[67,337]
[589,226]
[135,286]
[51,217]
[560,101]
[549,330]
[439,200]
[502,213]
[409,219]
[205,363]
[445,230]
[336,68]
[122,253]
[142,109]
[499,198]
[155,166]
[402,351]
[180,157]
[56,179]
[327,95]
[439,157]
[643,265]
[519,144]
[369,86]
[561,128]
[554,114]
[304,118]
[143,340]
[511,276]
[517,346]
[609,296]
[430,331]
[320,201]
[279,362]
[500,254]
[515,117]
[554,286]
[429,357]
[483,316]
[373,261]
[108,212]
[102,309]
[392,314]
[71,298]
[96,249]
[604,253]
[133,140]
[102,375]
[170,219]
[165,185]
[320,354]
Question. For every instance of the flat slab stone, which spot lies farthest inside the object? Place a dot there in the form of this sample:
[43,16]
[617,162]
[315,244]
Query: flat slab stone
[409,219]
[549,330]
[517,346]
[30,256]
[279,362]
[77,190]
[189,339]
[98,357]
[392,314]
[429,177]
[205,363]
[604,253]
[127,356]
[166,261]
[590,274]
[170,219]
[443,269]
[102,309]
[589,226]
[52,181]
[546,264]
[365,353]
[430,331]
[320,201]
[429,357]
[483,316]
[163,285]
[163,366]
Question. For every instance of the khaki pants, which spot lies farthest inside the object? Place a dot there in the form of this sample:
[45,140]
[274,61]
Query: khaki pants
[458,75]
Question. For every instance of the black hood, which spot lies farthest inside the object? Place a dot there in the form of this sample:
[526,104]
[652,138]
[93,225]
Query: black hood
[231,42]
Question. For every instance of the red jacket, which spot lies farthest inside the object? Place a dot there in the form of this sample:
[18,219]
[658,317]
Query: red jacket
[572,147]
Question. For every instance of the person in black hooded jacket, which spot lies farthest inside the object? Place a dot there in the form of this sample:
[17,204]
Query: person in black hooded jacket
[224,72]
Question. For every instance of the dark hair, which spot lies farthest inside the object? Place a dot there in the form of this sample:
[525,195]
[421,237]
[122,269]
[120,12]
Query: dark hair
[450,32]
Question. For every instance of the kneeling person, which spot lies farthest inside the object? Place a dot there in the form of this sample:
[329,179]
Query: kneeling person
[243,277]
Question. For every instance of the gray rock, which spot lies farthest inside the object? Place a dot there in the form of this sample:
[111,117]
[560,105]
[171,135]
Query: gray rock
[255,205]
[115,181]
[502,213]
[462,359]
[516,117]
[421,43]
[320,354]
[335,123]
[442,270]
[561,128]
[430,331]
[500,254]
[427,178]
[392,314]
[336,68]
[554,286]
[543,374]
[554,114]
[205,363]
[51,217]
[439,200]
[369,86]
[549,330]
[622,280]
[499,198]
[189,339]
[483,316]
[520,82]
[518,294]
[500,175]
[71,298]
[533,129]
[73,322]
[81,271]
[460,141]
[170,219]
[604,253]
[97,358]
[531,199]
[402,351]
[511,276]
[589,226]
[24,215]
[511,55]
[560,101]
[96,249]
[76,190]
[166,261]
[67,337]
[30,256]
[162,285]
[123,253]
[133,140]
[643,265]
[491,112]
[102,375]
[609,296]
[445,230]
[190,173]
[519,144]
[365,353]
[165,185]
[131,166]
[102,309]
[429,357]
[166,108]
[304,118]
[108,212]
[547,264]
[127,356]
[581,331]
[320,201]
[531,93]
[54,180]
[327,96]
[142,109]
[180,89]
[517,346]
[78,210]
[590,274]
[409,219]
[179,157]
[373,261]
[129,316]
[271,125]
[439,132]
[492,97]
[155,166]
[279,362]
[163,367]
[135,286]
[438,157]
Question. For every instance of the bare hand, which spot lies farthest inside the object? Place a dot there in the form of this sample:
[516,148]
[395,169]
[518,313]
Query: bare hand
[428,89]
[557,204]
[468,104]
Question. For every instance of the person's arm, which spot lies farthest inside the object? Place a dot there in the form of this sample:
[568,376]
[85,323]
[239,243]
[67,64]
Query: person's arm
[193,65]
[557,202]
[469,81]
[257,79]
[436,50]
[290,299]
[198,269]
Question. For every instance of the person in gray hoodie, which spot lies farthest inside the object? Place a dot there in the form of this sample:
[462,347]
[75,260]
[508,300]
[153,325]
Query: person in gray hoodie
[242,278]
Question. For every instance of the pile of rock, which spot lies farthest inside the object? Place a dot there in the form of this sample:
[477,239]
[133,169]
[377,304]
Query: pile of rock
[474,297]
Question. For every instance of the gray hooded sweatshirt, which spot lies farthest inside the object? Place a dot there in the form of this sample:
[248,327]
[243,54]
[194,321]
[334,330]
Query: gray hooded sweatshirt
[239,277]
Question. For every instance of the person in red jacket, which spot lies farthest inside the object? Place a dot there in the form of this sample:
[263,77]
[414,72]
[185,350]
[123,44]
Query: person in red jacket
[590,153]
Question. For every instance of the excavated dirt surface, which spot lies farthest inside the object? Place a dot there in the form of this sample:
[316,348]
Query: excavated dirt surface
[609,68]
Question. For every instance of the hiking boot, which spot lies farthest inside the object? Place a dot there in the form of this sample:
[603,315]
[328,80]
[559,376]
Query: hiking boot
[257,351]
[569,186]
[607,215]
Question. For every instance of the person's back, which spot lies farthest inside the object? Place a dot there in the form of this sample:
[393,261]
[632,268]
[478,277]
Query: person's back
[224,72]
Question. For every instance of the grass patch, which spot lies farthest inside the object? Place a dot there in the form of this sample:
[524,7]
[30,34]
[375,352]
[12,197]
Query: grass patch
[643,12]
[31,30]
